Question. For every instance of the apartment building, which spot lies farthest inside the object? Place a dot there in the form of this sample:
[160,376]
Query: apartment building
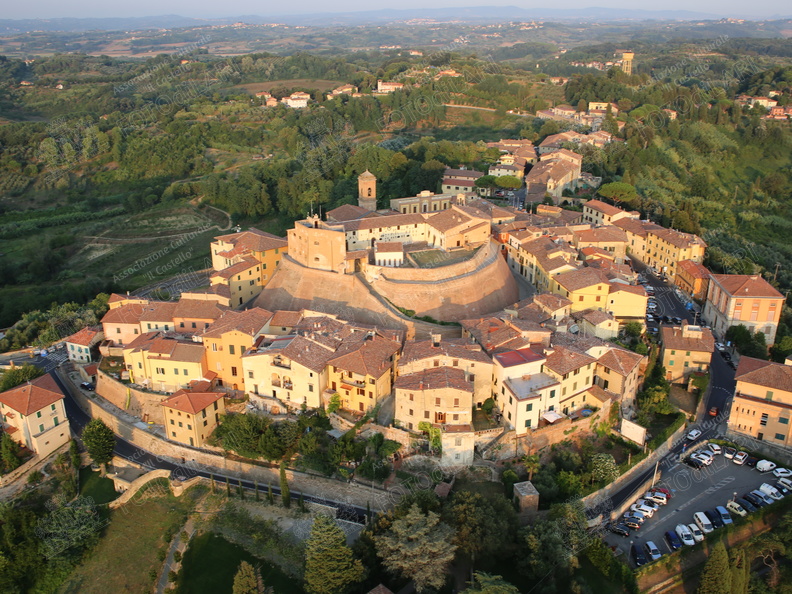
[80,346]
[586,288]
[610,239]
[164,363]
[747,299]
[666,247]
[762,404]
[597,212]
[686,349]
[438,395]
[190,417]
[693,279]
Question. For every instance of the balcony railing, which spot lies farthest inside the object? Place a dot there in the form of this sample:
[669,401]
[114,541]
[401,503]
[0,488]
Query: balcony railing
[281,363]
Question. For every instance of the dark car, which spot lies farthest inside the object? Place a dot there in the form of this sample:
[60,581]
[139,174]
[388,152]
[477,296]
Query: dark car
[747,505]
[676,320]
[673,540]
[666,320]
[87,386]
[781,488]
[692,462]
[751,461]
[638,556]
[631,523]
[731,364]
[714,518]
[620,529]
[726,356]
[755,501]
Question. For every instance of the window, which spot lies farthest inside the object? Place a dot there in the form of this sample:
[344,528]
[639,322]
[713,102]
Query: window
[529,407]
[250,374]
[779,436]
[38,414]
[411,412]
[426,414]
[310,387]
[456,401]
[189,426]
[234,371]
[214,347]
[180,424]
[673,352]
[205,422]
[783,420]
[184,371]
[763,422]
[455,362]
[215,405]
[55,420]
[437,402]
[552,393]
[193,325]
[528,423]
[172,422]
[671,362]
[41,428]
[52,408]
[173,434]
[230,349]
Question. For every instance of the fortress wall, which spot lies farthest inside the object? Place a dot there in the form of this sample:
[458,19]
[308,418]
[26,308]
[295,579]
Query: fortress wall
[294,287]
[435,274]
[487,290]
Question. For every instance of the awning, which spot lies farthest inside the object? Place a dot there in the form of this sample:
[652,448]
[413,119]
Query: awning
[346,386]
[552,416]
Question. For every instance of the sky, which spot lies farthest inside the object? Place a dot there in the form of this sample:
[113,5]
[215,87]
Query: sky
[210,8]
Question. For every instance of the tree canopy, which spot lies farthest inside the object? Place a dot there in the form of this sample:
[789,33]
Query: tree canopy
[330,567]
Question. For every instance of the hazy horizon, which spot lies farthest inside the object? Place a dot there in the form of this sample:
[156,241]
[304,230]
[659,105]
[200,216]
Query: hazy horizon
[52,9]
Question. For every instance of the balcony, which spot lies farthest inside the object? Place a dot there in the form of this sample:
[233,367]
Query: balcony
[287,385]
[277,362]
[276,383]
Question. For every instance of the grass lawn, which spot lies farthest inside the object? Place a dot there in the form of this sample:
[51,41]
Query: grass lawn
[100,489]
[485,488]
[210,563]
[127,551]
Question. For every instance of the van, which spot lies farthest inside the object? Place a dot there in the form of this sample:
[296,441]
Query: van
[786,482]
[771,491]
[702,522]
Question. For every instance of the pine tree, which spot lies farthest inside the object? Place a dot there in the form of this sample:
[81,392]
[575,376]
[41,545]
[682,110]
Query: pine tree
[245,581]
[418,546]
[284,486]
[330,567]
[302,504]
[99,440]
[716,575]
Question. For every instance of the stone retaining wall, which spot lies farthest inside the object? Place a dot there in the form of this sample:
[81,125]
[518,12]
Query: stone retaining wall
[422,275]
[138,403]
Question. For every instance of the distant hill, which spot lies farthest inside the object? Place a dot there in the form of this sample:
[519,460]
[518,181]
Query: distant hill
[461,14]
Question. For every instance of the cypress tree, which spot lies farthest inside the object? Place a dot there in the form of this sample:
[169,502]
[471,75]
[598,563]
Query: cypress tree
[257,491]
[716,576]
[330,567]
[284,485]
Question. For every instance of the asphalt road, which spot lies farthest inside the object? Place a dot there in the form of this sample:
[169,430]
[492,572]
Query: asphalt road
[721,391]
[78,419]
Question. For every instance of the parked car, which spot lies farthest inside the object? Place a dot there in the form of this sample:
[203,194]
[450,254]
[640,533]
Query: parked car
[782,473]
[698,535]
[645,510]
[637,516]
[720,346]
[621,529]
[751,461]
[666,320]
[649,503]
[638,556]
[736,508]
[728,453]
[726,356]
[732,364]
[705,460]
[714,448]
[694,434]
[714,518]
[676,320]
[786,482]
[765,466]
[703,522]
[673,540]
[739,458]
[771,491]
[684,534]
[746,505]
[652,551]
[87,386]
[653,330]
[657,497]
[664,491]
[781,488]
[631,523]
[753,499]
[724,515]
[713,412]
[693,462]
[763,496]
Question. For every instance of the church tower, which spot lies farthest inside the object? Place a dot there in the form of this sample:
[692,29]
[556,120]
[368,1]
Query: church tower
[367,190]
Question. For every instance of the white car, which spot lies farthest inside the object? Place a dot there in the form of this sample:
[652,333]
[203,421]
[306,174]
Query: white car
[657,497]
[765,466]
[652,550]
[739,458]
[786,483]
[720,346]
[771,491]
[685,535]
[693,434]
[698,535]
[714,448]
[705,460]
[728,453]
[782,472]
[702,521]
[648,503]
[645,510]
[736,508]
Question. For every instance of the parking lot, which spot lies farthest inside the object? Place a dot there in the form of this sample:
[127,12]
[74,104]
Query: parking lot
[693,491]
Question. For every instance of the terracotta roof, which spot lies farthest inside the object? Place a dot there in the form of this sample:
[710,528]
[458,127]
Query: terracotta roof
[602,207]
[434,378]
[544,171]
[562,360]
[636,227]
[635,289]
[383,221]
[462,173]
[599,393]
[677,238]
[84,337]
[158,311]
[456,348]
[346,212]
[369,357]
[367,174]
[249,321]
[608,234]
[551,301]
[746,285]
[254,240]
[286,319]
[91,369]
[672,338]
[468,183]
[245,264]
[581,278]
[389,246]
[764,373]
[518,357]
[126,314]
[191,402]
[308,353]
[621,361]
[448,219]
[693,269]
[31,396]
[594,316]
[198,309]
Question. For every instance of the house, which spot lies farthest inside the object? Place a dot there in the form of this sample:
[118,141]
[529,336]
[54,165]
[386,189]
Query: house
[34,416]
[342,90]
[666,247]
[389,253]
[388,87]
[586,288]
[438,396]
[621,372]
[574,373]
[362,371]
[747,299]
[121,324]
[298,100]
[164,363]
[595,322]
[79,346]
[455,353]
[762,404]
[232,249]
[609,238]
[190,417]
[227,339]
[693,279]
[627,302]
[599,213]
[686,349]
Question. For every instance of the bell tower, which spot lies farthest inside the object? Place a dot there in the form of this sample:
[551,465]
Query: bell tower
[367,190]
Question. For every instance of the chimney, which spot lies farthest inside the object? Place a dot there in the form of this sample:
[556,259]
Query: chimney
[436,340]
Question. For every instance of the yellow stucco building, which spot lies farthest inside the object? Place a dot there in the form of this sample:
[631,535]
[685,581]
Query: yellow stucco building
[190,417]
[762,404]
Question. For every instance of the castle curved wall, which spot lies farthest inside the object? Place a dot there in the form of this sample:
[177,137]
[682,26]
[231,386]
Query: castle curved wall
[435,274]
